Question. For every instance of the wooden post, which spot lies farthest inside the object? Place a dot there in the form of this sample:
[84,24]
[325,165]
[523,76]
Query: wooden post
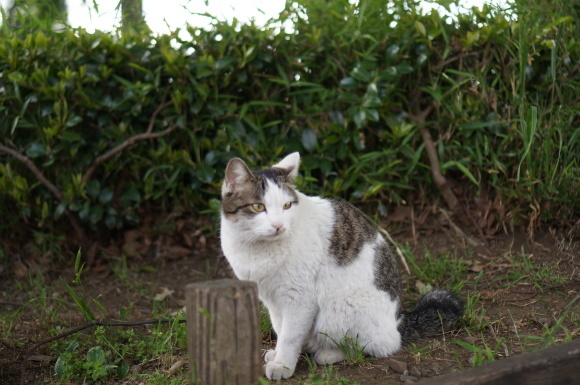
[223,332]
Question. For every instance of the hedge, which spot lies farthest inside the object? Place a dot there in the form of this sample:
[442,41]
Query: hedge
[385,103]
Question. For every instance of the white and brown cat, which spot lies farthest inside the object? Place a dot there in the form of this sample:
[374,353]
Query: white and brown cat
[322,270]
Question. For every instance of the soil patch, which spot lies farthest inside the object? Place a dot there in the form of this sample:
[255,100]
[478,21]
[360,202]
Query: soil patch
[519,296]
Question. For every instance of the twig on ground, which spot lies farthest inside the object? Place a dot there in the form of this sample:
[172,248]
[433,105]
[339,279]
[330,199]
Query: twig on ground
[470,240]
[505,349]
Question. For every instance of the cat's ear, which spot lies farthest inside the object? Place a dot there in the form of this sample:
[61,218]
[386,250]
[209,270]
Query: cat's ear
[237,175]
[291,163]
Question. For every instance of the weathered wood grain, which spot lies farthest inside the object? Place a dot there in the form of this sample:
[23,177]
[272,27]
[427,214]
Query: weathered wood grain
[223,332]
[555,365]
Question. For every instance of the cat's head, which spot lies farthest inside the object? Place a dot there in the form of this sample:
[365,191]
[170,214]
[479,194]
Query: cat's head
[261,204]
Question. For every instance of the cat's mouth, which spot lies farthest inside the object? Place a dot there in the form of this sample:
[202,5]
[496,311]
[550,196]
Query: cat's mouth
[277,233]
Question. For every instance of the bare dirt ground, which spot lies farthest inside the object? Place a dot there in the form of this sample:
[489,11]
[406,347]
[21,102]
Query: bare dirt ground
[516,304]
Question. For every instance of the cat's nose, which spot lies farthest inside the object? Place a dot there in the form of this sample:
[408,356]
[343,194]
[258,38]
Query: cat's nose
[279,228]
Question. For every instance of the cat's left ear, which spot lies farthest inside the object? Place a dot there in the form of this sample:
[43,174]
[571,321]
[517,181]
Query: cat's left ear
[291,163]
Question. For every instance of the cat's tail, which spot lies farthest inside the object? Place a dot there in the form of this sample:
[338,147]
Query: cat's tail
[435,312]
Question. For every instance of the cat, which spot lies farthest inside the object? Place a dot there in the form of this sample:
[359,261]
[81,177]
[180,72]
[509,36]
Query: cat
[322,270]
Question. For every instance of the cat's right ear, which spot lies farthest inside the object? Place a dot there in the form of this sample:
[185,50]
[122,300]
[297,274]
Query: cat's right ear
[237,174]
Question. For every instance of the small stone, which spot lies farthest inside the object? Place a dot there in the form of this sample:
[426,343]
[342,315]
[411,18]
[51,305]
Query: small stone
[470,340]
[415,372]
[436,367]
[544,321]
[398,366]
[423,371]
[405,378]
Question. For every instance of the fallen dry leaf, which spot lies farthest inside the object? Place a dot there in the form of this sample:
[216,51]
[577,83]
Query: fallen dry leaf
[175,252]
[476,268]
[176,366]
[165,292]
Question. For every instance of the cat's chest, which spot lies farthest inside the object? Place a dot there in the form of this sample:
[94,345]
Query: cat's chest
[275,261]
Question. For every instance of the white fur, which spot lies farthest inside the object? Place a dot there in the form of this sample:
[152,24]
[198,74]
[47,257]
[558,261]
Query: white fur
[309,296]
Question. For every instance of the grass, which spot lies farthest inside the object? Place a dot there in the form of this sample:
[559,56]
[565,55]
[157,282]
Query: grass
[106,354]
[526,270]
[445,270]
[549,334]
[353,352]
[97,355]
[482,343]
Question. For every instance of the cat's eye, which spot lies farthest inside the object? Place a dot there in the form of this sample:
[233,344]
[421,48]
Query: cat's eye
[258,207]
[287,206]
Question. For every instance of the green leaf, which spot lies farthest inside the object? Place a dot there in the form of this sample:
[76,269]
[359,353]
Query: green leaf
[392,51]
[349,83]
[420,27]
[70,136]
[435,94]
[421,59]
[372,114]
[96,214]
[35,150]
[224,62]
[309,139]
[122,371]
[462,168]
[93,188]
[111,221]
[361,74]
[96,354]
[106,195]
[73,121]
[131,195]
[389,73]
[81,305]
[84,213]
[404,68]
[371,99]
[215,204]
[360,117]
[59,210]
[59,366]
[72,346]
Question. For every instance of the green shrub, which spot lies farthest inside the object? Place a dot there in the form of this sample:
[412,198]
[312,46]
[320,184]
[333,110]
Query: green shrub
[97,129]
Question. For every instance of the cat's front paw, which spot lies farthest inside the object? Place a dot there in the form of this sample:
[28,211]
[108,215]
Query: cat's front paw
[277,371]
[270,355]
[328,356]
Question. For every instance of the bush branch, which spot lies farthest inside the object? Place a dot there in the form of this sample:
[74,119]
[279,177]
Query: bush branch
[46,183]
[32,167]
[132,140]
[129,142]
[438,177]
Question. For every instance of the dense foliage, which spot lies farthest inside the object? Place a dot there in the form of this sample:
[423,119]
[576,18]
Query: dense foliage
[96,129]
